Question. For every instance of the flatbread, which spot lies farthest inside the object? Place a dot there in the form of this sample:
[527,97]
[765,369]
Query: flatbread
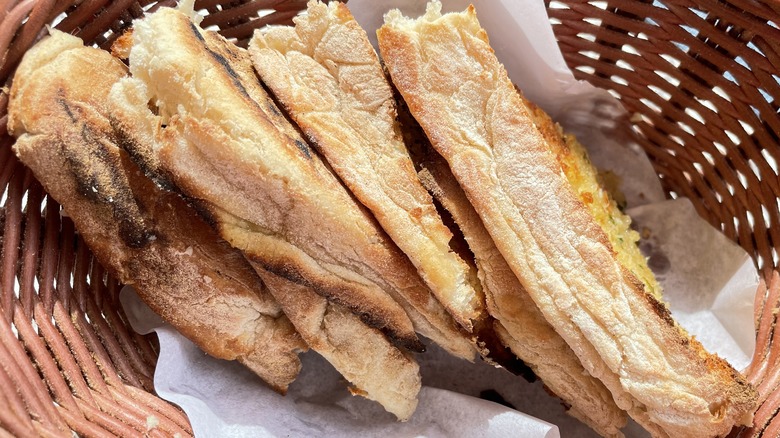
[455,87]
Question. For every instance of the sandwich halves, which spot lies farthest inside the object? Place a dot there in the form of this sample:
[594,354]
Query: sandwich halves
[562,253]
[200,123]
[326,74]
[145,236]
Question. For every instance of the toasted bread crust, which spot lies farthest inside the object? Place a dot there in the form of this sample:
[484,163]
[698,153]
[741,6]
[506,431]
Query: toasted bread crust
[145,236]
[519,323]
[228,147]
[463,99]
[327,75]
[377,370]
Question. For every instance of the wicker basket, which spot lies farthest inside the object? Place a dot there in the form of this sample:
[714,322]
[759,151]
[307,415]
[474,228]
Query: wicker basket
[702,81]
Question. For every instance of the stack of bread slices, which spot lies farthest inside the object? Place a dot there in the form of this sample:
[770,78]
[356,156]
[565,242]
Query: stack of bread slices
[291,196]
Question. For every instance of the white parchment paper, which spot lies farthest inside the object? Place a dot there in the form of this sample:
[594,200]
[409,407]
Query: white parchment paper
[708,281]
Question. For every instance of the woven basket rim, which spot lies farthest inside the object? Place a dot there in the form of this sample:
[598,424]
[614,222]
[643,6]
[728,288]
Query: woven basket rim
[700,79]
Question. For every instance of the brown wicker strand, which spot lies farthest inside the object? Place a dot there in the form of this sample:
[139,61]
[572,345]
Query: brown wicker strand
[7,161]
[80,277]
[118,343]
[765,318]
[79,350]
[129,414]
[47,366]
[30,247]
[79,14]
[163,409]
[26,36]
[11,240]
[31,388]
[141,358]
[98,25]
[69,388]
[131,365]
[118,321]
[243,32]
[11,23]
[108,368]
[66,262]
[4,434]
[763,372]
[50,254]
[244,12]
[126,400]
[100,423]
[14,415]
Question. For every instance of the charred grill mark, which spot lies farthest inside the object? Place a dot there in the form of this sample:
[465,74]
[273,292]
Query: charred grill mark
[137,152]
[61,101]
[303,147]
[273,109]
[196,32]
[282,113]
[203,210]
[100,177]
[404,343]
[235,78]
[230,71]
[290,272]
[140,154]
[133,236]
[230,50]
[271,104]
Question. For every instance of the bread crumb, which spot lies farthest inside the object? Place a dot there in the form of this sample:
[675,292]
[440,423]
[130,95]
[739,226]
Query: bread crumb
[152,422]
[187,252]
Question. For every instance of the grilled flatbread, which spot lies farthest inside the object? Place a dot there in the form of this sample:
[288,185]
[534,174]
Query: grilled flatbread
[563,256]
[519,323]
[148,238]
[326,74]
[375,368]
[219,139]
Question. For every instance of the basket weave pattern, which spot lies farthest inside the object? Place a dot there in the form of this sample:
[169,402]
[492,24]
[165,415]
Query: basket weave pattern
[701,81]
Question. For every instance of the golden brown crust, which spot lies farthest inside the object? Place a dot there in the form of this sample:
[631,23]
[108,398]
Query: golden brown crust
[462,97]
[520,324]
[374,367]
[147,237]
[122,45]
[228,147]
[326,74]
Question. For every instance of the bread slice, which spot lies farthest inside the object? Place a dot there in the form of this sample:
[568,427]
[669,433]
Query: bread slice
[148,238]
[461,95]
[519,323]
[375,368]
[222,141]
[326,74]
